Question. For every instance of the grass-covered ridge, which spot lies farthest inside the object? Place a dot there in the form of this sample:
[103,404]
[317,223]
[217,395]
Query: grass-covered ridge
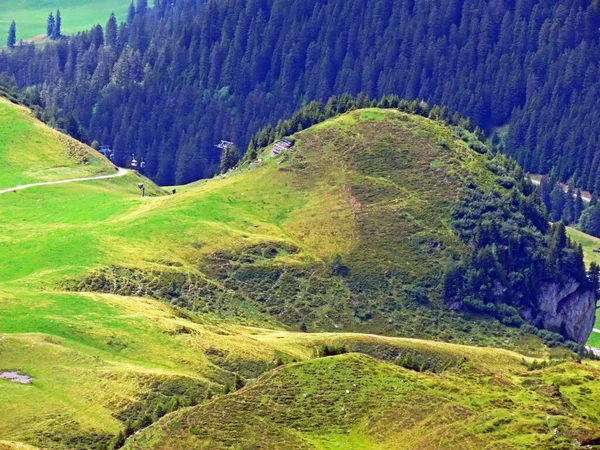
[124,308]
[32,152]
[318,237]
[358,402]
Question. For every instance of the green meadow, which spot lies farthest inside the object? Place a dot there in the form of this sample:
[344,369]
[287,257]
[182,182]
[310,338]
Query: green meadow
[32,152]
[95,283]
[77,15]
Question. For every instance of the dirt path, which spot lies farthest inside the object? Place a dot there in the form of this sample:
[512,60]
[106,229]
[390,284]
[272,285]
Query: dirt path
[121,172]
[586,196]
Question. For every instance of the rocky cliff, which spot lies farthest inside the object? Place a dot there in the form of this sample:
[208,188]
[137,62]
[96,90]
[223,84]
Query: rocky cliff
[569,309]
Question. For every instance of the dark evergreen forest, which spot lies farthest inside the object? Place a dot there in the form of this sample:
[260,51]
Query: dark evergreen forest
[173,80]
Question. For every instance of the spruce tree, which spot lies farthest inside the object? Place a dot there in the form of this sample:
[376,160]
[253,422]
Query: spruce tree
[12,35]
[56,32]
[142,7]
[558,241]
[229,159]
[594,275]
[579,206]
[111,31]
[568,215]
[270,70]
[97,35]
[50,24]
[590,222]
[130,13]
[557,203]
[545,190]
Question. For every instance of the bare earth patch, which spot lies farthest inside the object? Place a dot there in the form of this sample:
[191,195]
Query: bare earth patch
[17,377]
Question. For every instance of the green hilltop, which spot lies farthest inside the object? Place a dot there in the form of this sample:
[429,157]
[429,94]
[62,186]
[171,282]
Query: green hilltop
[31,15]
[32,152]
[125,309]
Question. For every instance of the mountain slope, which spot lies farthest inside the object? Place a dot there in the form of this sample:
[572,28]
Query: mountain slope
[124,308]
[32,152]
[359,210]
[191,72]
[355,401]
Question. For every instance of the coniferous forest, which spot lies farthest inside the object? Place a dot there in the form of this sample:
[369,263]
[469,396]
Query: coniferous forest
[175,79]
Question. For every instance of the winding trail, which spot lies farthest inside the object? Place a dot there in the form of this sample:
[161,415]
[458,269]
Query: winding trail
[121,172]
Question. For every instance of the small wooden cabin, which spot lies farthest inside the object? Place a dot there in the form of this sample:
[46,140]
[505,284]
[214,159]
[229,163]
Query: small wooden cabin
[105,150]
[224,145]
[280,146]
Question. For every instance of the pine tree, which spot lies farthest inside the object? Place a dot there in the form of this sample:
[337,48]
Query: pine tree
[51,23]
[594,276]
[568,215]
[590,220]
[56,32]
[142,7]
[130,13]
[111,31]
[579,206]
[12,35]
[229,159]
[545,189]
[557,203]
[97,35]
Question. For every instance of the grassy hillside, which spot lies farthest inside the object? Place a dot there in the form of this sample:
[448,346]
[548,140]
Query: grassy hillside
[32,152]
[358,212]
[31,15]
[356,401]
[122,308]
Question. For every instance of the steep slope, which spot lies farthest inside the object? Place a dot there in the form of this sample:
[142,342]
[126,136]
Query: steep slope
[357,213]
[32,152]
[222,69]
[353,229]
[123,308]
[355,401]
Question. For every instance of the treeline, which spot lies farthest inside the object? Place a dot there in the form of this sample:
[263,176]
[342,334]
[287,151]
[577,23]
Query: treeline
[317,111]
[513,250]
[567,205]
[590,220]
[562,205]
[173,80]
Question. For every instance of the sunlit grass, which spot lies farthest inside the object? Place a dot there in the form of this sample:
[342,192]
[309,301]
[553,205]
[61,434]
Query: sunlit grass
[31,15]
[92,355]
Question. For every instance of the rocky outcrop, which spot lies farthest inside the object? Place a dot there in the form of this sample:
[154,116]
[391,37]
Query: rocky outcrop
[569,309]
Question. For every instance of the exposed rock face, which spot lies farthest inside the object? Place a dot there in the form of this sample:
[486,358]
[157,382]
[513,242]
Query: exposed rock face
[569,309]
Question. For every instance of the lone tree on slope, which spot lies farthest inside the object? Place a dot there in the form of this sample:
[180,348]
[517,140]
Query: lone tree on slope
[229,158]
[56,32]
[50,25]
[12,35]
